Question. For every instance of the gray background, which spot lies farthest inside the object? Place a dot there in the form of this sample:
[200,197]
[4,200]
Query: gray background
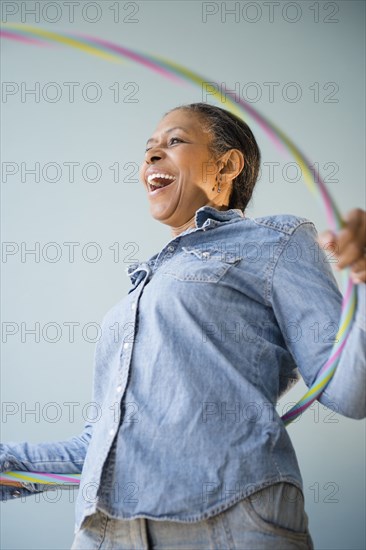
[44,376]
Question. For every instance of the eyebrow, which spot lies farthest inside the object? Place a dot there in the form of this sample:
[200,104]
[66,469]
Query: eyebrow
[168,131]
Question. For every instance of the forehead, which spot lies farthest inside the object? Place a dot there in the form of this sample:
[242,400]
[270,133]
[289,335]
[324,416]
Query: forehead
[186,121]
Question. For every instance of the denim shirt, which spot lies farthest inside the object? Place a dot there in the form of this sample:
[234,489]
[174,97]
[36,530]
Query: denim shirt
[191,363]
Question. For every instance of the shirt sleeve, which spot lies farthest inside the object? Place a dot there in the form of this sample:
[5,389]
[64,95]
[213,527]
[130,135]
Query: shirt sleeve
[52,457]
[307,304]
[64,457]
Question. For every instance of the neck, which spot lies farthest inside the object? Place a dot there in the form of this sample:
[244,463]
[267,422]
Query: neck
[191,222]
[187,225]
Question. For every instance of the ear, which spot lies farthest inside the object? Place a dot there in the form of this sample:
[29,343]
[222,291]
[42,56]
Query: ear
[232,163]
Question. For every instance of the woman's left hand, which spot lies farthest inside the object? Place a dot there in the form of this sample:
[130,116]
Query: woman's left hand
[348,246]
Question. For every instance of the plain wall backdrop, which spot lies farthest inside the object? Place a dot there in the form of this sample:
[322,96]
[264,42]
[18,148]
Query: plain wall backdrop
[301,64]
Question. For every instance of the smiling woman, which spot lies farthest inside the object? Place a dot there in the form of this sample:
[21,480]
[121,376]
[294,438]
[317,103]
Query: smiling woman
[196,147]
[195,454]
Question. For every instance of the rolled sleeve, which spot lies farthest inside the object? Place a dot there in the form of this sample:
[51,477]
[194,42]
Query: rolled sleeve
[52,457]
[307,304]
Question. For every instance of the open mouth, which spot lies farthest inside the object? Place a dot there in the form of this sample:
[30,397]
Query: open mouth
[159,181]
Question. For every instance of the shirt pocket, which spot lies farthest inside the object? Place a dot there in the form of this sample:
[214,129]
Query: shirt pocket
[201,264]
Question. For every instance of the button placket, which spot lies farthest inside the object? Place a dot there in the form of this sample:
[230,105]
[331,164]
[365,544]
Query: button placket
[125,362]
[127,347]
[167,252]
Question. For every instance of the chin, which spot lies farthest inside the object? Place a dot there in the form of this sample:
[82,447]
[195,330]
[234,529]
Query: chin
[159,214]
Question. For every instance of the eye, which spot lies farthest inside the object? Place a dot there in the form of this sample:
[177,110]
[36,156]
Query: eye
[172,141]
[175,139]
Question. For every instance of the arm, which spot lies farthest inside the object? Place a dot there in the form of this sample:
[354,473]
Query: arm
[307,304]
[58,457]
[55,457]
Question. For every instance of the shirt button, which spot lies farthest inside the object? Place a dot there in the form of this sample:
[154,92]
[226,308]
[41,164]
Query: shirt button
[133,305]
[119,389]
[112,432]
[125,345]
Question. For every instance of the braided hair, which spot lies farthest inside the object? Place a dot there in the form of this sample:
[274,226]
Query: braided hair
[230,132]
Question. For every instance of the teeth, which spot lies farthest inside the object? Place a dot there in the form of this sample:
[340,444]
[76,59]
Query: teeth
[151,178]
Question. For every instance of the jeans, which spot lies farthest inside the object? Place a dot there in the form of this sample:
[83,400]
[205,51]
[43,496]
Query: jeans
[273,518]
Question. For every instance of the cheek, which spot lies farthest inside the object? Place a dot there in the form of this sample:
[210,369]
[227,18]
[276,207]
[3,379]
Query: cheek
[142,173]
[204,171]
[194,174]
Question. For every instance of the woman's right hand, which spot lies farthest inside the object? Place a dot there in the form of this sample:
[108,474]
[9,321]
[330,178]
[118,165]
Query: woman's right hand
[348,246]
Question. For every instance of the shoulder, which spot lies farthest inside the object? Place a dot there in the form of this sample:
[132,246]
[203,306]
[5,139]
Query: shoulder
[284,223]
[278,230]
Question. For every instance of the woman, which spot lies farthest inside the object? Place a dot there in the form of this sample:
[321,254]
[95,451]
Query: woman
[188,451]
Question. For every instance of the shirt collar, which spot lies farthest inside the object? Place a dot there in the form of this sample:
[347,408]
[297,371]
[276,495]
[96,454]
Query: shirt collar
[209,212]
[206,216]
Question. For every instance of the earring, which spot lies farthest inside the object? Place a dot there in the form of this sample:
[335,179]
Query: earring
[218,186]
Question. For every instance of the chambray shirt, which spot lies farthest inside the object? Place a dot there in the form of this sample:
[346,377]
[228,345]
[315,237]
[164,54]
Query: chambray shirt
[191,363]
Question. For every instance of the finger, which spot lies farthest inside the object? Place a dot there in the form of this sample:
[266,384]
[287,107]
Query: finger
[349,255]
[349,243]
[354,231]
[328,243]
[326,238]
[11,482]
[358,271]
[356,218]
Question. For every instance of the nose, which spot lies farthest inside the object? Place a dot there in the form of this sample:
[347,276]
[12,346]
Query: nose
[153,155]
